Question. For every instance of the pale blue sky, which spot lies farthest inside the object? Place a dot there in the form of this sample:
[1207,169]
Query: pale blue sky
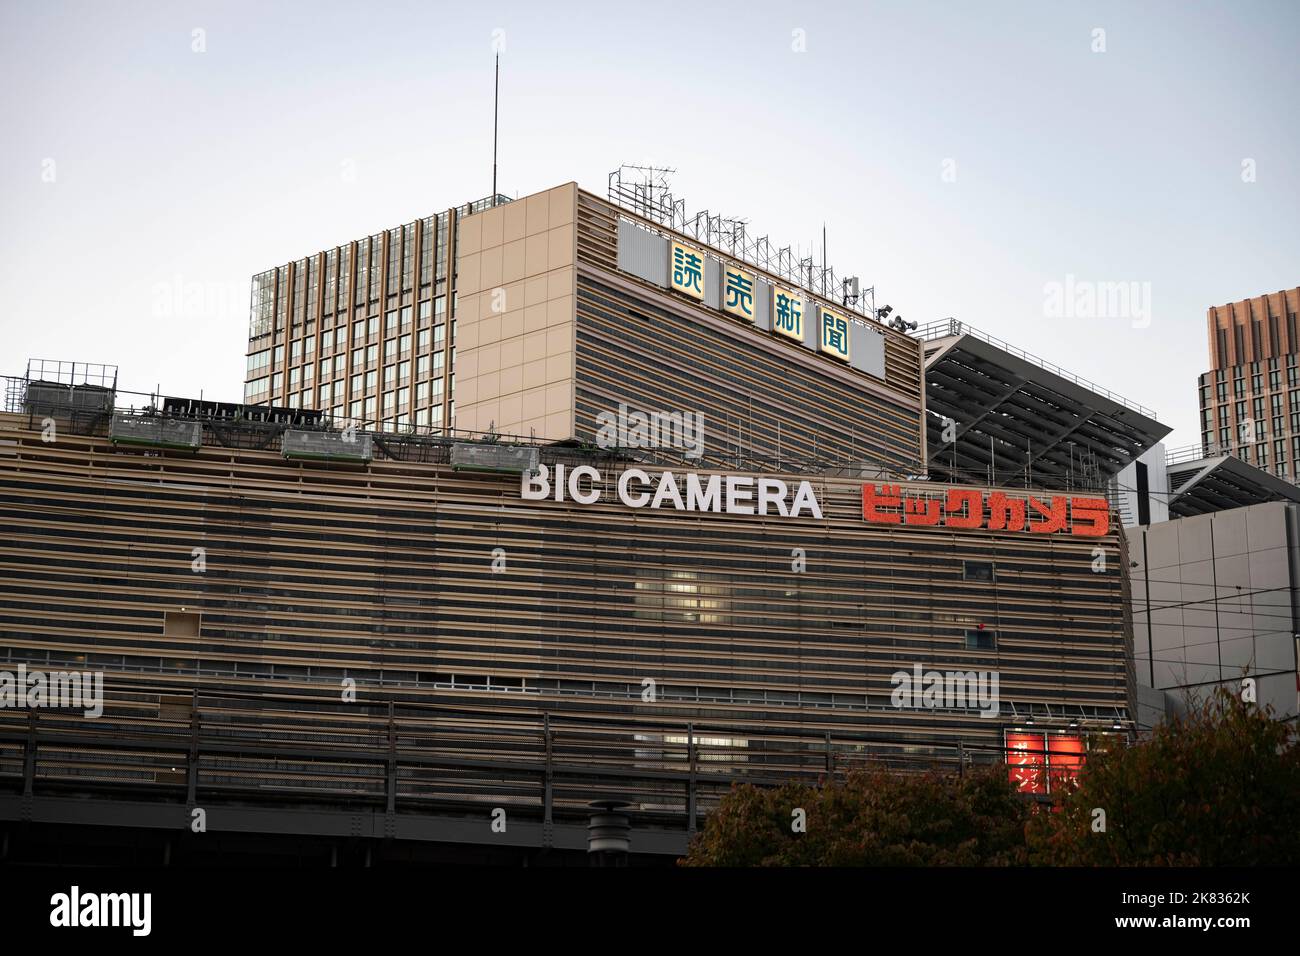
[177,175]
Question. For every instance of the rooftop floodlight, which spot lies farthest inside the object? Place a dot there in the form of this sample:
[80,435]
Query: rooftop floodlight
[883,312]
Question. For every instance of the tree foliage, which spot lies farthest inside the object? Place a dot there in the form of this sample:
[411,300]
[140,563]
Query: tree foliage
[871,818]
[1216,786]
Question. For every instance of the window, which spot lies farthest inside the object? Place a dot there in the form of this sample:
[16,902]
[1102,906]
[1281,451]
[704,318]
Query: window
[981,639]
[977,570]
[259,360]
[181,623]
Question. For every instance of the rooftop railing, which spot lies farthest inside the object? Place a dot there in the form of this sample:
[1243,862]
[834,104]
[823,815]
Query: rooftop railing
[946,328]
[1186,453]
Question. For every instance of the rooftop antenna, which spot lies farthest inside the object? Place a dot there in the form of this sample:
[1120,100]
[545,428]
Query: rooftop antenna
[824,259]
[496,97]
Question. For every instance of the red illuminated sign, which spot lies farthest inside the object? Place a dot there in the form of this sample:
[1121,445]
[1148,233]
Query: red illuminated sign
[1042,763]
[1064,760]
[968,508]
[1025,762]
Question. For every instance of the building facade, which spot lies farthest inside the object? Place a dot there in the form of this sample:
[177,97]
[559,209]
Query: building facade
[1250,398]
[422,580]
[288,636]
[1214,603]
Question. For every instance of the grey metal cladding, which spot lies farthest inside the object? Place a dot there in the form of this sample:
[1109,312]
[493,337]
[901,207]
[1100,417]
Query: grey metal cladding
[642,253]
[712,283]
[811,314]
[866,349]
[762,305]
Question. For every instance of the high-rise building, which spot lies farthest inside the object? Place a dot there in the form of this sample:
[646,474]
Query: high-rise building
[318,325]
[1250,397]
[531,318]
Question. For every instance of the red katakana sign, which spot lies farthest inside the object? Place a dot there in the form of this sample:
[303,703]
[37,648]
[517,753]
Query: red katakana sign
[970,508]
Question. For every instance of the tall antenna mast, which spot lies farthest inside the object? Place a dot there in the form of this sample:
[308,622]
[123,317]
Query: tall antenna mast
[496,99]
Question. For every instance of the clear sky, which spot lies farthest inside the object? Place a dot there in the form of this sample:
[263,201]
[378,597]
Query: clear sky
[969,159]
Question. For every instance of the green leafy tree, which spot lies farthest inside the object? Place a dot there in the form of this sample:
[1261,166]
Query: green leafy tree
[871,818]
[1217,786]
